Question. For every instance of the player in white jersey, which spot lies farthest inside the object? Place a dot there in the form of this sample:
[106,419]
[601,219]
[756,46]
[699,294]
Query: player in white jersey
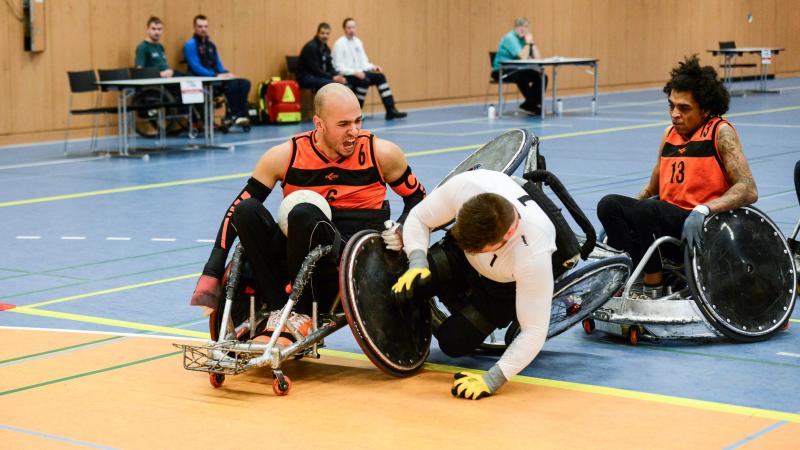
[493,266]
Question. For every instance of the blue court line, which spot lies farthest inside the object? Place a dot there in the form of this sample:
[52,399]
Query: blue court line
[54,437]
[755,436]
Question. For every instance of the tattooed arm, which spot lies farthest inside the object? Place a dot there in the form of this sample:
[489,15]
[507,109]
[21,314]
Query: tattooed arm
[743,189]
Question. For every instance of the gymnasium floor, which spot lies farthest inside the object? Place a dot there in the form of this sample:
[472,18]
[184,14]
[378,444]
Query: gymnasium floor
[100,257]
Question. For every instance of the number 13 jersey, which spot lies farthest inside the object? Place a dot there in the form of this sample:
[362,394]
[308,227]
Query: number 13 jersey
[691,171]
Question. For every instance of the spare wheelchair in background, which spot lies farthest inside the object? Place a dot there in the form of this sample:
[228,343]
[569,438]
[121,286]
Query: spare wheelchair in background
[742,286]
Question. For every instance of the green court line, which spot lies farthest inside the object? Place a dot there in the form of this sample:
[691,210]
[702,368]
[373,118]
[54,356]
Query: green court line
[61,349]
[86,374]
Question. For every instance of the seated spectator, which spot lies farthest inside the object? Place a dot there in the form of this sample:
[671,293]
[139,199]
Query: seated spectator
[350,60]
[519,44]
[314,67]
[150,52]
[203,60]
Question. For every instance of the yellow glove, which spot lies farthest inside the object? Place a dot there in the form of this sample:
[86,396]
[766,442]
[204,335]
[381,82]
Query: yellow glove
[414,277]
[471,386]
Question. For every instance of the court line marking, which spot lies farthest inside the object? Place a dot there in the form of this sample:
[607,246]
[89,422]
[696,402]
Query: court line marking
[565,385]
[176,332]
[408,155]
[55,437]
[5,362]
[756,435]
[112,290]
[607,391]
[86,374]
[793,355]
[51,163]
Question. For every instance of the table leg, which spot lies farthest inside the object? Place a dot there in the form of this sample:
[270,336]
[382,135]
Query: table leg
[210,117]
[500,89]
[542,75]
[555,83]
[594,99]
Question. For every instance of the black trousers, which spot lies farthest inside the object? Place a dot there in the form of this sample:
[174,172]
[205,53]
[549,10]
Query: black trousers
[361,87]
[276,260]
[236,92]
[477,304]
[529,83]
[313,82]
[633,225]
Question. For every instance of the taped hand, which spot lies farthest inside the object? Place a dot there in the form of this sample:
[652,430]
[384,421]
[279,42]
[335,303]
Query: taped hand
[693,227]
[393,235]
[207,293]
[470,386]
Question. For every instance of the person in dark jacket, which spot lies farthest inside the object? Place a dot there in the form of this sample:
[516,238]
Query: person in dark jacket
[203,60]
[315,66]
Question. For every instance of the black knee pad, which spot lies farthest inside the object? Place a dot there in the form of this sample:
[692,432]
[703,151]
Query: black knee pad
[248,211]
[457,336]
[607,206]
[304,216]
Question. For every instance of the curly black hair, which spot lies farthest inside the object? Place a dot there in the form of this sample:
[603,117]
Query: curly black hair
[707,89]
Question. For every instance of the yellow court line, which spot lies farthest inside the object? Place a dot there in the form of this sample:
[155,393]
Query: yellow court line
[411,154]
[108,291]
[124,189]
[609,391]
[794,320]
[108,322]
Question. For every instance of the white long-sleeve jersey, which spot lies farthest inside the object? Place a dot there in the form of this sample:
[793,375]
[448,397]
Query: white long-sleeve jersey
[349,56]
[524,259]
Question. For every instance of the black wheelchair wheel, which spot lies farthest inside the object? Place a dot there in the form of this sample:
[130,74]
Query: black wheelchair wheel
[744,280]
[146,119]
[580,293]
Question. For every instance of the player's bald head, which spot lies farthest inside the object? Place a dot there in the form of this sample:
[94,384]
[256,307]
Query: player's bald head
[333,93]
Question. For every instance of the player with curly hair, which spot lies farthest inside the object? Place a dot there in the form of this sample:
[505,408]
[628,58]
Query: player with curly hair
[701,169]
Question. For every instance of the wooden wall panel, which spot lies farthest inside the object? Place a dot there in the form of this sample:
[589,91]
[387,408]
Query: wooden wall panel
[431,49]
[5,70]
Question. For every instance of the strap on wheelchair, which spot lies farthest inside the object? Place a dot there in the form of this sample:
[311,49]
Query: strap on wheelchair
[476,319]
[543,176]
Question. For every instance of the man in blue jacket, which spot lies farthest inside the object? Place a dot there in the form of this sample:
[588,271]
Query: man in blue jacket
[203,59]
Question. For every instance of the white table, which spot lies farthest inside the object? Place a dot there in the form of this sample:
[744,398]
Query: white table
[540,65]
[730,53]
[127,87]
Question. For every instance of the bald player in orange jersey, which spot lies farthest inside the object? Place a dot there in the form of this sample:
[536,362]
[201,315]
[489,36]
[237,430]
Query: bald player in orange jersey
[701,169]
[349,167]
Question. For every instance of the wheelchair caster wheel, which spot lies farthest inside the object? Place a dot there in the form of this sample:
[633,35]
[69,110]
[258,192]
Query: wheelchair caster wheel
[216,379]
[588,325]
[246,128]
[633,335]
[573,309]
[224,129]
[281,385]
[192,134]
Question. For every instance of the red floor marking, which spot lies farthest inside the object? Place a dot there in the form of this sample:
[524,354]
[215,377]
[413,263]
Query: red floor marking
[5,306]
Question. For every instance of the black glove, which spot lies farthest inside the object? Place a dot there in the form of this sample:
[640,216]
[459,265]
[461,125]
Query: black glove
[693,227]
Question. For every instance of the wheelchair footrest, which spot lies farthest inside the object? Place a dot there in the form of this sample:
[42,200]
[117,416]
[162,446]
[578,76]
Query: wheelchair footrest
[216,357]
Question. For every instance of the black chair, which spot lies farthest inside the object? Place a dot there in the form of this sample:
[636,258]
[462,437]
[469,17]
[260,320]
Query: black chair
[140,73]
[492,80]
[84,82]
[291,66]
[729,63]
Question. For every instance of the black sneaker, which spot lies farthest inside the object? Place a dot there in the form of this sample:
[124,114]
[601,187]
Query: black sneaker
[392,113]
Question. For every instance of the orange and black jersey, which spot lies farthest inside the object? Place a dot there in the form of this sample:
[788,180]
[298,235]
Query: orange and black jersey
[691,171]
[352,182]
